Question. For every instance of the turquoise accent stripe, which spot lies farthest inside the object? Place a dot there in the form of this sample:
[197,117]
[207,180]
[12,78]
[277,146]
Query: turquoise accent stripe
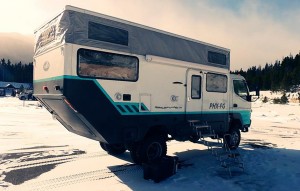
[49,79]
[61,78]
[129,108]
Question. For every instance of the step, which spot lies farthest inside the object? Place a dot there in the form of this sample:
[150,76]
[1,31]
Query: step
[208,135]
[213,144]
[202,126]
[234,155]
[233,164]
[227,154]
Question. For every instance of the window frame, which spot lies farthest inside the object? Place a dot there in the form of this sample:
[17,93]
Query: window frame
[200,87]
[105,78]
[217,75]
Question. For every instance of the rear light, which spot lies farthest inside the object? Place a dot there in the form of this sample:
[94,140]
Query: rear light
[45,88]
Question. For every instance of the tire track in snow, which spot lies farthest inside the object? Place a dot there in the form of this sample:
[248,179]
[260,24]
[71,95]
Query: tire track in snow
[97,175]
[52,160]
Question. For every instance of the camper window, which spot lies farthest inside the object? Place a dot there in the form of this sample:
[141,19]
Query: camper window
[216,83]
[216,58]
[196,87]
[107,34]
[106,65]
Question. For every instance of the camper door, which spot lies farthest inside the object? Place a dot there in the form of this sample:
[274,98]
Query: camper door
[194,94]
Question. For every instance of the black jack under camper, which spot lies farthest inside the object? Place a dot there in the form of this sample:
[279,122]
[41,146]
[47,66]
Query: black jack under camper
[132,87]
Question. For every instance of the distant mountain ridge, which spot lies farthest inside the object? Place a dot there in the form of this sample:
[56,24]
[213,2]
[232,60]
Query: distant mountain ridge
[16,47]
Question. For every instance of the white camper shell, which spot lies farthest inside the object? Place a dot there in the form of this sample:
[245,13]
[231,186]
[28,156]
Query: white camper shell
[133,87]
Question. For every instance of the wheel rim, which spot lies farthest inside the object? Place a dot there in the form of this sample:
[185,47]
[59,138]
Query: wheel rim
[154,151]
[234,138]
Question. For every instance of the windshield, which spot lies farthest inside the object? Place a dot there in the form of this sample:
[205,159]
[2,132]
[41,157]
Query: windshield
[241,88]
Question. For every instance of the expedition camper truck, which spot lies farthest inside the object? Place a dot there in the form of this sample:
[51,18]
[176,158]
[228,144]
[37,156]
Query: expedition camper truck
[132,87]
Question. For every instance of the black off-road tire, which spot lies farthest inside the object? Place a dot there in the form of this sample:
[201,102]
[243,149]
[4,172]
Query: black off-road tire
[113,149]
[152,149]
[233,137]
[134,153]
[194,138]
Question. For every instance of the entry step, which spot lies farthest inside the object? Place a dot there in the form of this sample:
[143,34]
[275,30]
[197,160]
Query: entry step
[202,126]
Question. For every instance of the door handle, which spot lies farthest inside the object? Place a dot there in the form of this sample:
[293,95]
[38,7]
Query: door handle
[235,105]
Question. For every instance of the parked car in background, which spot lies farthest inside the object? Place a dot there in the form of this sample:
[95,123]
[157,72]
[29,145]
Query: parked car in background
[26,96]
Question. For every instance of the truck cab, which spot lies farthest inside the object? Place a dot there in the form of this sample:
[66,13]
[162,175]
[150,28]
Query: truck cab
[240,102]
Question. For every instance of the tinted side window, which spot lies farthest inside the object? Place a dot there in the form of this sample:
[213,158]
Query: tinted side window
[241,88]
[196,87]
[107,65]
[216,83]
[107,34]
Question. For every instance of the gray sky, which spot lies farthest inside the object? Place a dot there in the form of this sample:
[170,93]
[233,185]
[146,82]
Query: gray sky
[256,31]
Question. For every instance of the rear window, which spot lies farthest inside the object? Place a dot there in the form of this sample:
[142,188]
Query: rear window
[105,65]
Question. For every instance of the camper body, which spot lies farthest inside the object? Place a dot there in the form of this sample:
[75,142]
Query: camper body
[134,87]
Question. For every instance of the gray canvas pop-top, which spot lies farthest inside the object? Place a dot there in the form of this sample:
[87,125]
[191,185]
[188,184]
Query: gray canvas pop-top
[82,27]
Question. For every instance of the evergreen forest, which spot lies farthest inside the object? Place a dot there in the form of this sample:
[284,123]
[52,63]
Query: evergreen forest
[16,72]
[283,75]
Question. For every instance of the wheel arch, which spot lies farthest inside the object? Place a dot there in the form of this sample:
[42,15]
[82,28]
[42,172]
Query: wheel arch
[157,130]
[236,121]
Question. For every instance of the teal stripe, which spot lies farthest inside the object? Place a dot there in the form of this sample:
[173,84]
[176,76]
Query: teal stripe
[61,78]
[49,79]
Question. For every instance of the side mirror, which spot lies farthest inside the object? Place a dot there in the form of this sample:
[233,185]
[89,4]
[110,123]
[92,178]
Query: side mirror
[249,98]
[257,92]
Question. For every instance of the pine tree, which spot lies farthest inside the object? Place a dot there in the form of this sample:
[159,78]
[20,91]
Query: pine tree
[284,99]
[282,75]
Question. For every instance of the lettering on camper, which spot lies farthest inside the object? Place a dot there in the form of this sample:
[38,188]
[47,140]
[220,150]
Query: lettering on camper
[217,106]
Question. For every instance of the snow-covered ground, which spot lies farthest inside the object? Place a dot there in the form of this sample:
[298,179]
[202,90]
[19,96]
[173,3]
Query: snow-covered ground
[38,153]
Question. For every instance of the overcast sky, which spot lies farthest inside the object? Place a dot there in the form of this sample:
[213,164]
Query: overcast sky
[256,31]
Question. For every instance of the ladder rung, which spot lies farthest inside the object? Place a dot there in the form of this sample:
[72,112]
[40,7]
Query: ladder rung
[232,164]
[201,126]
[214,144]
[194,121]
[208,135]
[234,155]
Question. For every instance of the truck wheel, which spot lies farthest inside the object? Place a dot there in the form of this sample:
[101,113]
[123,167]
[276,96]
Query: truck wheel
[151,149]
[194,138]
[135,155]
[113,149]
[233,138]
